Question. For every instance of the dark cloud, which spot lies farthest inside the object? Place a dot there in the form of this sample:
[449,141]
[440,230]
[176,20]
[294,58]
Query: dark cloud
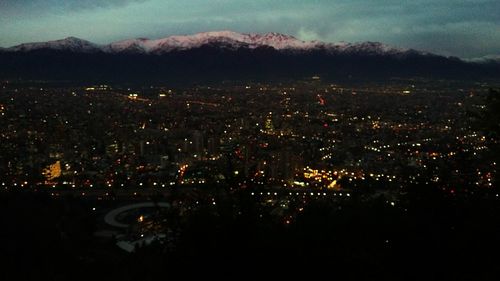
[41,6]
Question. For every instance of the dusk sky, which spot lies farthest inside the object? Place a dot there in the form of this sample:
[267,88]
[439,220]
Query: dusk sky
[463,28]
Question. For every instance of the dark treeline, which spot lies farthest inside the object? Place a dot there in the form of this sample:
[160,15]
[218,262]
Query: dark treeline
[430,236]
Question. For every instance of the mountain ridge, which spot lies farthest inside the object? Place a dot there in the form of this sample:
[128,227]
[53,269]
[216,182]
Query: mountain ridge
[223,55]
[232,39]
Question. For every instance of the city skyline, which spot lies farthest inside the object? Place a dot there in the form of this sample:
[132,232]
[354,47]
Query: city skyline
[464,29]
[143,139]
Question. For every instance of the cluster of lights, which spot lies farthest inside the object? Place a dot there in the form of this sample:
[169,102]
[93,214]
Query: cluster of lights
[133,96]
[322,176]
[340,194]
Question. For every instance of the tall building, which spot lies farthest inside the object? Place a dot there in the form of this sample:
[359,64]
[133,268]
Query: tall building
[198,143]
[268,124]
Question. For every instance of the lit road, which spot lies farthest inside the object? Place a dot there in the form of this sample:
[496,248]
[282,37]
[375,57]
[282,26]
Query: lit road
[110,217]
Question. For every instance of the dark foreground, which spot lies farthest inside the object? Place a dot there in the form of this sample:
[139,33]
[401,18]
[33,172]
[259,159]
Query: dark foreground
[427,236]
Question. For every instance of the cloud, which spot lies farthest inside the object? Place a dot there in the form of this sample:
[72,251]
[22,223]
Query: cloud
[20,7]
[307,35]
[456,27]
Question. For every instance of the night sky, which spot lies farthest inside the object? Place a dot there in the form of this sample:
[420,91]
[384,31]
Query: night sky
[463,28]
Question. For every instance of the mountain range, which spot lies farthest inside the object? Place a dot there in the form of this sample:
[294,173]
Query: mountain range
[223,55]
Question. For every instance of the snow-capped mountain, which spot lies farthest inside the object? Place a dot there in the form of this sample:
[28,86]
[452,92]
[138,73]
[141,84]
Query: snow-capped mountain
[221,55]
[72,44]
[224,39]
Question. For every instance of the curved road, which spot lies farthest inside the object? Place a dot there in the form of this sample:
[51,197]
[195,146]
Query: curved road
[110,217]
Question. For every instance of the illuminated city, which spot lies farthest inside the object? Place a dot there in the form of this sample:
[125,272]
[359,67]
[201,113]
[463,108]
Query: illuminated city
[288,146]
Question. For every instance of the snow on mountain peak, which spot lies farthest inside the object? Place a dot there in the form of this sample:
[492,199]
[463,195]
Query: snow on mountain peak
[224,38]
[227,38]
[66,44]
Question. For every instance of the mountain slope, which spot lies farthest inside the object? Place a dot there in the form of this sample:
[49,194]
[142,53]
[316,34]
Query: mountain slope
[72,44]
[227,39]
[214,56]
